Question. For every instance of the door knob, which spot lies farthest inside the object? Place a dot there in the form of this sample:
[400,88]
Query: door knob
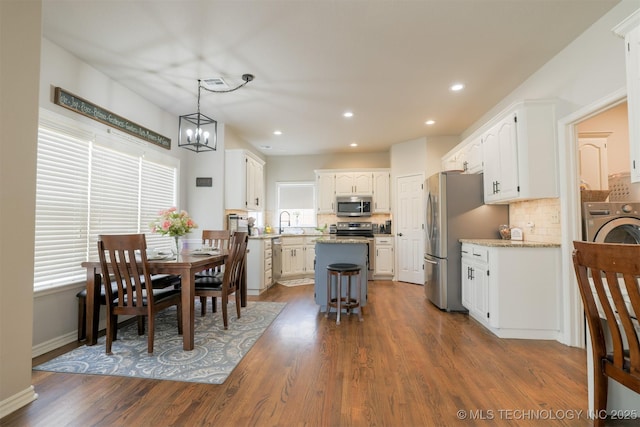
[400,234]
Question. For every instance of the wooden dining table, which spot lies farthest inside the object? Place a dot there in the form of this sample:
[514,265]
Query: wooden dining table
[186,265]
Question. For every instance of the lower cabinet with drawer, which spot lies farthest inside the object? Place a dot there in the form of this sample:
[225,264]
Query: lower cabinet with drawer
[513,289]
[384,258]
[259,265]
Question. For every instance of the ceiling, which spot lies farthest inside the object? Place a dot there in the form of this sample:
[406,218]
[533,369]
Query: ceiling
[389,62]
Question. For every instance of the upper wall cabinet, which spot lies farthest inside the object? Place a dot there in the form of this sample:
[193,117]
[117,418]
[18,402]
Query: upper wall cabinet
[244,181]
[630,30]
[326,192]
[473,157]
[354,183]
[466,156]
[331,183]
[520,154]
[381,192]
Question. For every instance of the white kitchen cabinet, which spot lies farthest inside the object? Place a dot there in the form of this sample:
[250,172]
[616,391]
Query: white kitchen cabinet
[630,30]
[325,192]
[466,156]
[384,262]
[381,192]
[501,171]
[298,256]
[475,282]
[255,184]
[354,183]
[472,159]
[259,265]
[513,290]
[339,182]
[244,181]
[520,155]
[452,160]
[310,254]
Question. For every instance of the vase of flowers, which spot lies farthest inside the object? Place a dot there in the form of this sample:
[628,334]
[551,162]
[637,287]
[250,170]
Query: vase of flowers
[174,223]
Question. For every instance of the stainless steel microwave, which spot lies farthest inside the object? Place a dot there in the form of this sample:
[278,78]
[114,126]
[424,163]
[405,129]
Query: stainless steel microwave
[352,206]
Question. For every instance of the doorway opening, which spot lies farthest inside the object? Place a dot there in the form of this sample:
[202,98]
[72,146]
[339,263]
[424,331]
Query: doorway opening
[569,136]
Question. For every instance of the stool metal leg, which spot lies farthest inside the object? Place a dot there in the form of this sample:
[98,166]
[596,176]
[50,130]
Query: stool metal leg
[339,297]
[359,296]
[326,314]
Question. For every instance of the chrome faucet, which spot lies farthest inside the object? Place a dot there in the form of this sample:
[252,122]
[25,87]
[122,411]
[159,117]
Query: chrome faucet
[288,220]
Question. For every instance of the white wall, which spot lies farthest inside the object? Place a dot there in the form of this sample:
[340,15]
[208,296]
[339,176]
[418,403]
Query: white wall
[20,37]
[206,204]
[589,68]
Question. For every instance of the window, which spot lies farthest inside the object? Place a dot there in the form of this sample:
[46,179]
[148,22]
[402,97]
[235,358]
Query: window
[299,201]
[87,185]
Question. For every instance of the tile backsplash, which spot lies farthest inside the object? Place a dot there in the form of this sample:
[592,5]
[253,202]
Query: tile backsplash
[544,214]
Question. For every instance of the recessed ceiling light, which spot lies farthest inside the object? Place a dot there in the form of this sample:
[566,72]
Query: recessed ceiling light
[456,87]
[277,132]
[348,114]
[353,144]
[430,122]
[265,147]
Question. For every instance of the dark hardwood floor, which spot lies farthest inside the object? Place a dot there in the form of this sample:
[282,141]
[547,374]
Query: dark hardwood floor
[407,364]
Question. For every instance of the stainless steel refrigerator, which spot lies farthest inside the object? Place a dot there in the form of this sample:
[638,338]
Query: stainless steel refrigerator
[455,210]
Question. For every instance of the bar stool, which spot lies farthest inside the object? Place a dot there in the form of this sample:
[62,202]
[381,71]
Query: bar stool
[340,270]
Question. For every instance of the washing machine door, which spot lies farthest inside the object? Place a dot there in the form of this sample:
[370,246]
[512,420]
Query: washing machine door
[619,230]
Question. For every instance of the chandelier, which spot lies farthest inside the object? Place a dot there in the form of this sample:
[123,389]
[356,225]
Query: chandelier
[199,133]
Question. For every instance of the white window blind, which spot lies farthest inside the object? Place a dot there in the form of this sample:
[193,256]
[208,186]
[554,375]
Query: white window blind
[158,192]
[296,203]
[86,189]
[113,200]
[61,208]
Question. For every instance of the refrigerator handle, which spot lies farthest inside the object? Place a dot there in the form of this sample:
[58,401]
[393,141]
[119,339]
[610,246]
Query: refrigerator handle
[430,223]
[430,262]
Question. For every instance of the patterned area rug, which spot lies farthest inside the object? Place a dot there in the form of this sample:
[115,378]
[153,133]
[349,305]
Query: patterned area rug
[216,351]
[296,282]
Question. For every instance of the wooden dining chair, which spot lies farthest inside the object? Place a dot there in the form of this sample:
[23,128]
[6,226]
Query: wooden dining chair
[230,283]
[214,239]
[124,264]
[608,277]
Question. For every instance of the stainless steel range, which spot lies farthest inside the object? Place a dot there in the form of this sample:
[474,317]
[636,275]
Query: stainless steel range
[351,229]
[360,230]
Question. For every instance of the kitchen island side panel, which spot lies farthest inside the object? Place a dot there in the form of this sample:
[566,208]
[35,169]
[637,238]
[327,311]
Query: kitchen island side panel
[330,253]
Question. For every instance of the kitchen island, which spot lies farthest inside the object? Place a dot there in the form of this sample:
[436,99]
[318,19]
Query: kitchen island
[330,250]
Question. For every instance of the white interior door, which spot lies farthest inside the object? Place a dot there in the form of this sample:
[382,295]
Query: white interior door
[594,171]
[409,220]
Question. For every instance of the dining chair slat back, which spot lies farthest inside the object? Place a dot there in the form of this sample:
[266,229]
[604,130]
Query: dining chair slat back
[214,239]
[608,277]
[124,265]
[231,281]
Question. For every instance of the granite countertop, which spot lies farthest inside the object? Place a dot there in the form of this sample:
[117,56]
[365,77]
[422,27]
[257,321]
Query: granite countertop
[341,240]
[499,243]
[275,235]
[264,236]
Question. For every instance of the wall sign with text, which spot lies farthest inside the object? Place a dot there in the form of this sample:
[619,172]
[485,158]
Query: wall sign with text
[75,103]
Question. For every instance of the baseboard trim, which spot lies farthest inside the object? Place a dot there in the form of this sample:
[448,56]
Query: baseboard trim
[53,344]
[17,401]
